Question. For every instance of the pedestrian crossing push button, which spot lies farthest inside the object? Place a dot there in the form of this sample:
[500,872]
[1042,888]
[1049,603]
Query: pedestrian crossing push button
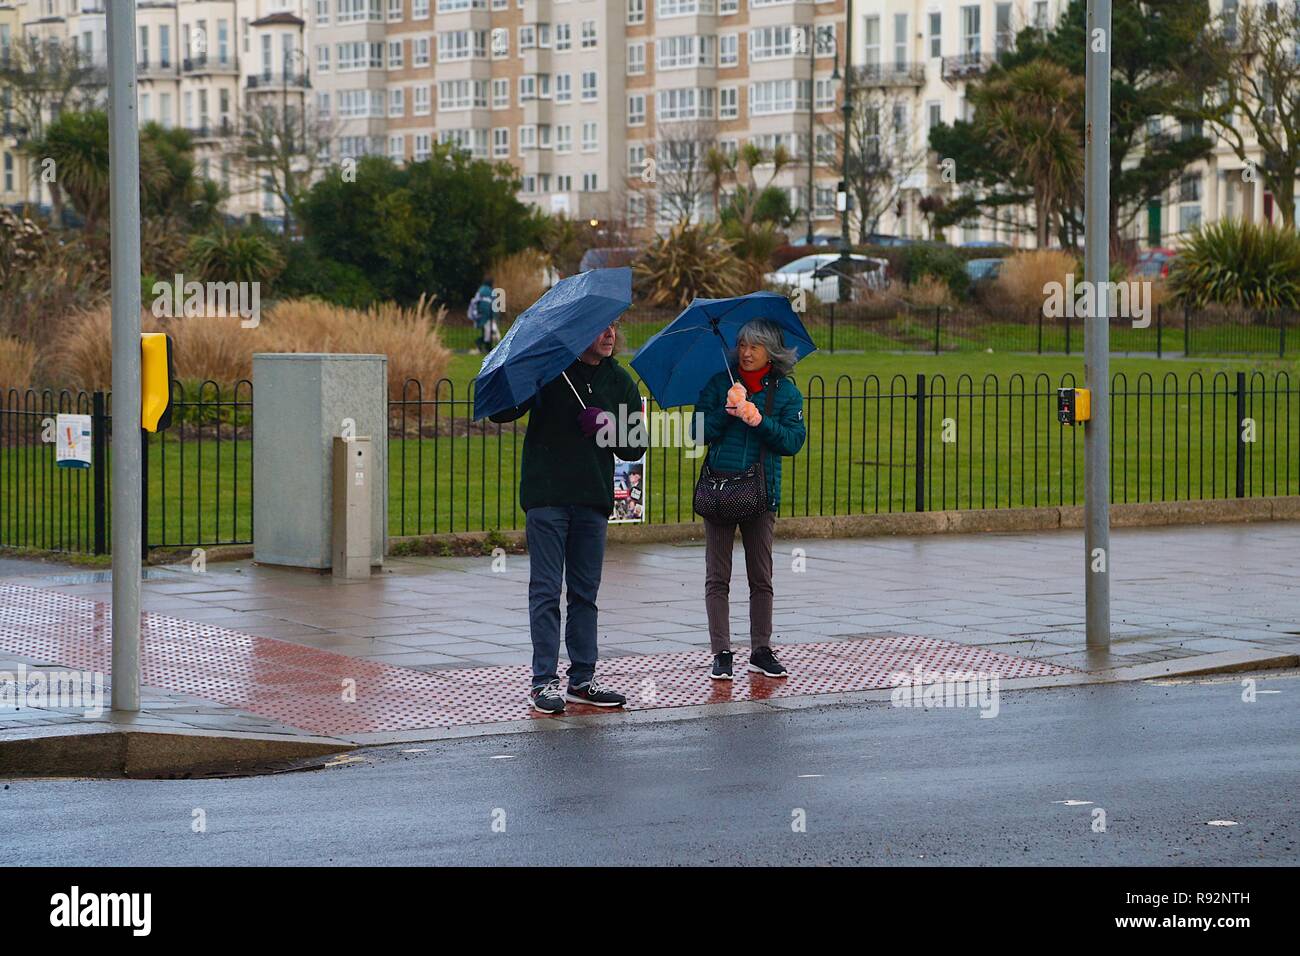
[1073,405]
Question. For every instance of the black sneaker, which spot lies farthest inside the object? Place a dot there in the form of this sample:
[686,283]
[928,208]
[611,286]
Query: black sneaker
[763,661]
[547,699]
[594,694]
[721,666]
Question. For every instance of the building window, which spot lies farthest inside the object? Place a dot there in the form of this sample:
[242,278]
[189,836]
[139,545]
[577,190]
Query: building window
[636,58]
[936,34]
[564,87]
[397,102]
[636,109]
[729,49]
[394,54]
[564,138]
[500,93]
[563,38]
[501,142]
[728,102]
[588,35]
[420,103]
[590,137]
[397,148]
[420,51]
[590,90]
[636,11]
[636,159]
[590,182]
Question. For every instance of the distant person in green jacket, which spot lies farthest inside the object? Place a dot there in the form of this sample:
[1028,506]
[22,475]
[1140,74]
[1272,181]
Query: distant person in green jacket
[566,488]
[738,432]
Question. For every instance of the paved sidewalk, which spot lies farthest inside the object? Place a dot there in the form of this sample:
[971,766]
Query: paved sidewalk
[1179,594]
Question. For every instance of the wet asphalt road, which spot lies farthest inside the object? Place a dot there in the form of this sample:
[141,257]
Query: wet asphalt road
[874,784]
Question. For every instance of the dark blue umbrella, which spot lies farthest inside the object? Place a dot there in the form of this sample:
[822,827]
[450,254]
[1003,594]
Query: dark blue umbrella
[548,336]
[682,356]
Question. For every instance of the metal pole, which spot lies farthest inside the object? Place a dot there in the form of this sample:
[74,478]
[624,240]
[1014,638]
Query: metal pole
[812,118]
[124,209]
[846,112]
[1096,338]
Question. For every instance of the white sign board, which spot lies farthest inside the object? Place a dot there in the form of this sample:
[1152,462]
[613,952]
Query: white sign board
[72,443]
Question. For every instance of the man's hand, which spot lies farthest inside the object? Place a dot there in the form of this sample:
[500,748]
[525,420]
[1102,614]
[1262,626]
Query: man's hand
[748,413]
[591,419]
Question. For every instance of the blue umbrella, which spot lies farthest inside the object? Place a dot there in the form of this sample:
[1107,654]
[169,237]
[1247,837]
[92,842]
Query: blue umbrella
[682,356]
[548,336]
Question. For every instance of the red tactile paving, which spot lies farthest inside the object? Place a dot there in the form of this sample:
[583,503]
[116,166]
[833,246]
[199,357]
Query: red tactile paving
[304,687]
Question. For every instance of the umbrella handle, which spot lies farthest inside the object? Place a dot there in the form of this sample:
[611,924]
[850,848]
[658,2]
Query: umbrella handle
[723,346]
[574,390]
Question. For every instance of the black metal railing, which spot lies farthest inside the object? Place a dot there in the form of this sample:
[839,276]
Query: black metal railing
[909,443]
[197,484]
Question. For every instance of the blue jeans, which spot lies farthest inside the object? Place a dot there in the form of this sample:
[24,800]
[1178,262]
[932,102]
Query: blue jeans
[565,543]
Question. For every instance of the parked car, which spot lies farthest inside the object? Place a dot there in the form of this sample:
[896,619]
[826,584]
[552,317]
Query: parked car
[982,269]
[1155,263]
[819,274]
[880,239]
[607,257]
[819,239]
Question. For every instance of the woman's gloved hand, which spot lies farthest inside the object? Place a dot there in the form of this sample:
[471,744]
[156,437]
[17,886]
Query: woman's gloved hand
[735,395]
[748,413]
[591,419]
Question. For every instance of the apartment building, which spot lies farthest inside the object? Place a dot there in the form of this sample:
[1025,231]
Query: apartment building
[918,57]
[577,94]
[200,65]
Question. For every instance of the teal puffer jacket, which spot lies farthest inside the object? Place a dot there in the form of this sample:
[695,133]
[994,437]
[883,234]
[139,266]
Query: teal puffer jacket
[734,446]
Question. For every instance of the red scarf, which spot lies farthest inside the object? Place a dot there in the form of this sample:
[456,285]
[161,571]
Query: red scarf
[754,380]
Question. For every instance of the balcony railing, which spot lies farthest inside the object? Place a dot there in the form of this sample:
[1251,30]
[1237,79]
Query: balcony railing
[276,81]
[203,63]
[890,74]
[966,66]
[212,130]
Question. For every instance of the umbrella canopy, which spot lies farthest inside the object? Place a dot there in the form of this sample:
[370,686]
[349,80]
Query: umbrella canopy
[548,336]
[677,362]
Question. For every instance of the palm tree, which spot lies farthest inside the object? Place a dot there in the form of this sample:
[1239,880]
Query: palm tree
[1030,115]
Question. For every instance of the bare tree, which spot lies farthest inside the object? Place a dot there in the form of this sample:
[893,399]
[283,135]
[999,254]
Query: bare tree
[1258,92]
[882,153]
[680,173]
[39,79]
[283,145]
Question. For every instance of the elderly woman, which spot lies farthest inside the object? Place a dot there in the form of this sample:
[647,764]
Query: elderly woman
[752,412]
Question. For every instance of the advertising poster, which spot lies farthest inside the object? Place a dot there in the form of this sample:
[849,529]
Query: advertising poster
[630,487]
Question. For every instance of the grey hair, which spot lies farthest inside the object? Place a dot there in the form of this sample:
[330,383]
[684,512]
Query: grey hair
[768,334]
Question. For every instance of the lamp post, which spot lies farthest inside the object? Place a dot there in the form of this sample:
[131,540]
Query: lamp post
[842,194]
[813,33]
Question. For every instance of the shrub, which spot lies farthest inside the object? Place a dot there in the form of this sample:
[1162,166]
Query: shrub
[17,363]
[1232,262]
[692,261]
[1020,283]
[934,259]
[522,277]
[221,349]
[929,292]
[230,255]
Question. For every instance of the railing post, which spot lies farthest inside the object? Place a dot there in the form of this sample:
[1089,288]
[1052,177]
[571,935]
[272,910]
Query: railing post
[1040,331]
[832,348]
[1281,333]
[937,310]
[1067,333]
[1187,332]
[920,441]
[99,469]
[1160,328]
[1240,438]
